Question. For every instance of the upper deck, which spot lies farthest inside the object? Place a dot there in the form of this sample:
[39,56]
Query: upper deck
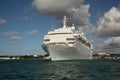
[66,34]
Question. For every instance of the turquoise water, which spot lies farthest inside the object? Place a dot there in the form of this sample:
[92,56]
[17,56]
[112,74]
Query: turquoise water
[97,69]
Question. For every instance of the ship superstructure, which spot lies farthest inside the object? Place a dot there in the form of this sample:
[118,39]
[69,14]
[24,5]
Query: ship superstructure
[67,44]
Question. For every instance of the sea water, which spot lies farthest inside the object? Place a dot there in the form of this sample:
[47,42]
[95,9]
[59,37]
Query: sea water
[96,69]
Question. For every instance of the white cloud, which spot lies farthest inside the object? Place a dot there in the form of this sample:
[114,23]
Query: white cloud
[32,32]
[79,16]
[90,29]
[15,38]
[109,24]
[108,31]
[25,17]
[75,11]
[9,33]
[110,45]
[3,21]
[55,6]
[113,42]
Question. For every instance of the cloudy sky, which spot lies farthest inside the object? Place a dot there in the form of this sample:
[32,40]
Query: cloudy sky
[23,23]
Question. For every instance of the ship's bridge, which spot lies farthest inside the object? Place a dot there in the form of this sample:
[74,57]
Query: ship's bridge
[58,36]
[67,30]
[62,35]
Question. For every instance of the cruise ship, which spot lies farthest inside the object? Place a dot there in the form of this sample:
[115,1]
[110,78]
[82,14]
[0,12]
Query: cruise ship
[67,43]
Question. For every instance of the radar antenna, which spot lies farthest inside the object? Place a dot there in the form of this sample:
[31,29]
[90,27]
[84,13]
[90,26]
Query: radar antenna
[64,22]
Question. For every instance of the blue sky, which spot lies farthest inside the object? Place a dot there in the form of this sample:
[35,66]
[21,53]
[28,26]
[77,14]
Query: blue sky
[23,25]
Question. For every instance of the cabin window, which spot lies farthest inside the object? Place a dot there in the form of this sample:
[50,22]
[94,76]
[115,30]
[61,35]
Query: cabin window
[58,33]
[61,43]
[71,42]
[70,39]
[47,40]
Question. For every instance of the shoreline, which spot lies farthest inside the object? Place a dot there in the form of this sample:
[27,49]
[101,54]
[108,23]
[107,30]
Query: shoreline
[47,57]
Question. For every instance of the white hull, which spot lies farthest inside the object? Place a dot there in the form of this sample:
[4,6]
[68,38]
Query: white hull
[63,52]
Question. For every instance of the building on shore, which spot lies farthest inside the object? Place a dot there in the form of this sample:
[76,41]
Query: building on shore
[104,55]
[7,57]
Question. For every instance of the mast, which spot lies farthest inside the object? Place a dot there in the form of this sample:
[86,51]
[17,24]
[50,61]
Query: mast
[64,22]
